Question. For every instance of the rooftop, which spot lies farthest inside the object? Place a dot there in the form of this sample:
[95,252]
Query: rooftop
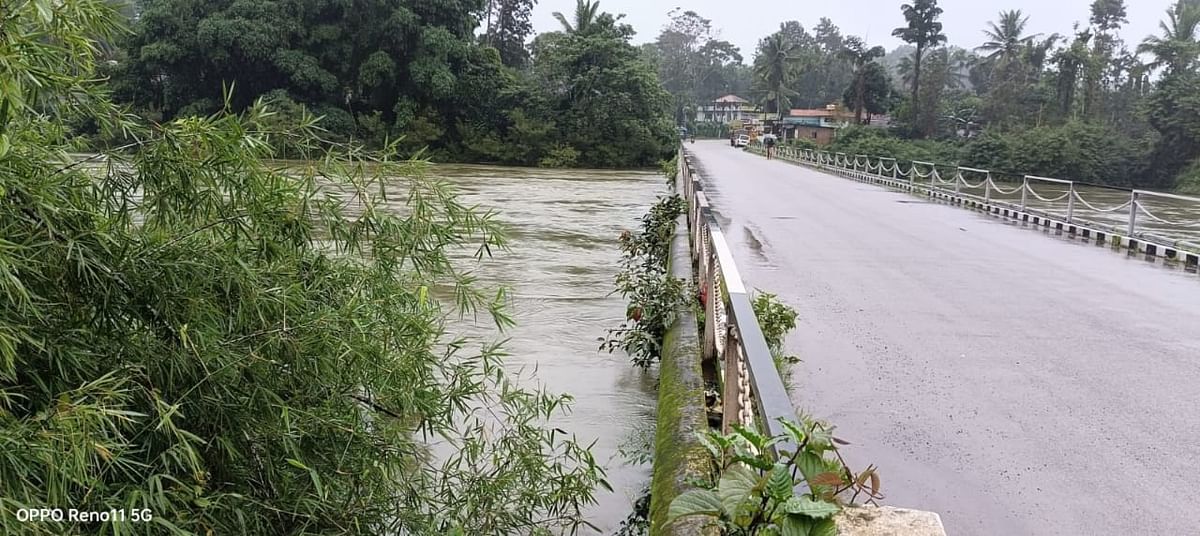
[812,113]
[732,98]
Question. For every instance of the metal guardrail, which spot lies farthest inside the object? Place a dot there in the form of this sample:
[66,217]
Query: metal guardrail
[753,394]
[925,176]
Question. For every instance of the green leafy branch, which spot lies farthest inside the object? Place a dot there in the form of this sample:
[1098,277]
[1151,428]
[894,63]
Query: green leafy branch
[654,296]
[787,485]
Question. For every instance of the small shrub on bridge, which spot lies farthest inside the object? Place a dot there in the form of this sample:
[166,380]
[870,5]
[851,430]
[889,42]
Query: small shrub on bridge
[776,319]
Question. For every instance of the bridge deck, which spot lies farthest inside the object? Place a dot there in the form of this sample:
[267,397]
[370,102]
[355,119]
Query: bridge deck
[1013,382]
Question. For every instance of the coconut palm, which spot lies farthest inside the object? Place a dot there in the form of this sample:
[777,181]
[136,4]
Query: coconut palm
[1176,49]
[773,70]
[923,31]
[586,12]
[1006,40]
[859,56]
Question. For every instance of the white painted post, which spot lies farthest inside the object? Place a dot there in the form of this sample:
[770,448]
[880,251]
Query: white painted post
[958,180]
[987,189]
[1024,193]
[1071,203]
[1133,208]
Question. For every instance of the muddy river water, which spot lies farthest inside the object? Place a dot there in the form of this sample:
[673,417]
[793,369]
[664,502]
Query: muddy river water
[563,227]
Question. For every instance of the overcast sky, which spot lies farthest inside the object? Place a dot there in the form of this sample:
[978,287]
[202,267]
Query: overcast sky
[743,22]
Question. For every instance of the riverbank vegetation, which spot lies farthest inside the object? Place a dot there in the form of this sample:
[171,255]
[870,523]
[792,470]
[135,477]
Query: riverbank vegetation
[655,298]
[422,72]
[227,347]
[1082,104]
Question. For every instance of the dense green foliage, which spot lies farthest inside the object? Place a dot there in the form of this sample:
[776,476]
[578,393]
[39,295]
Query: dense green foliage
[244,349]
[1082,105]
[655,298]
[412,70]
[752,482]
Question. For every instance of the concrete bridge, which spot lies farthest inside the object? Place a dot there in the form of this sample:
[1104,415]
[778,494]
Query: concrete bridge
[1014,381]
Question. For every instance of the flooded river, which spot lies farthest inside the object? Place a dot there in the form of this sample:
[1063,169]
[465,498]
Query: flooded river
[563,227]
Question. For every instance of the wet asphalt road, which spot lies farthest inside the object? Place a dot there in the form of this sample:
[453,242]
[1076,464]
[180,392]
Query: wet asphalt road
[1013,381]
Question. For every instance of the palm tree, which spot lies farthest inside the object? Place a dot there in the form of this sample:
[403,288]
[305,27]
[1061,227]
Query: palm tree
[923,31]
[1006,40]
[1176,49]
[585,16]
[773,70]
[859,56]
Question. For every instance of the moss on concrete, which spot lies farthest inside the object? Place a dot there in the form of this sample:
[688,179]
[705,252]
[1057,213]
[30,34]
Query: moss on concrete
[678,455]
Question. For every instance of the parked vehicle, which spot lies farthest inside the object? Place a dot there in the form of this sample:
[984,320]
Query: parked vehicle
[736,135]
[742,141]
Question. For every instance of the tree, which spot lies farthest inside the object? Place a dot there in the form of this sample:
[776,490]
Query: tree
[1012,62]
[511,30]
[923,31]
[1070,62]
[605,98]
[693,64]
[1103,70]
[1176,49]
[857,53]
[1173,107]
[585,16]
[1006,40]
[399,58]
[877,94]
[197,333]
[773,72]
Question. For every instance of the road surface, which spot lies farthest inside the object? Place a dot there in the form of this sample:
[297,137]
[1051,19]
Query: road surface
[1013,381]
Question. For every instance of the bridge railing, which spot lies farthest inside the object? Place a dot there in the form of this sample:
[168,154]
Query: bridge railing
[753,394]
[1141,214]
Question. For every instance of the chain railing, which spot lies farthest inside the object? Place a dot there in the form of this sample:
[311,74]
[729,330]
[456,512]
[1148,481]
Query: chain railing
[925,177]
[752,392]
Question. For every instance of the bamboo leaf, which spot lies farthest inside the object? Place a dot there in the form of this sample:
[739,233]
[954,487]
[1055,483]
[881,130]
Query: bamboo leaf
[43,10]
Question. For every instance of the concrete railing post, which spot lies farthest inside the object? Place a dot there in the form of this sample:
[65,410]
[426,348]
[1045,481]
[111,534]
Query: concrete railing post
[710,308]
[731,397]
[1071,203]
[1024,194]
[987,189]
[1133,208]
